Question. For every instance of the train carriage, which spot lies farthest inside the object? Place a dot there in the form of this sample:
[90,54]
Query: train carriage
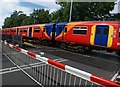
[104,35]
[13,31]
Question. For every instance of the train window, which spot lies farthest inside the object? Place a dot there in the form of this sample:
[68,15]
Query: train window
[37,30]
[21,30]
[119,32]
[65,29]
[80,30]
[106,31]
[47,30]
[13,30]
[44,29]
[98,31]
[25,30]
[60,29]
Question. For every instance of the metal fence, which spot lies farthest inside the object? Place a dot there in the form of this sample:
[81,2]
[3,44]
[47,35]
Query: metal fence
[46,72]
[14,39]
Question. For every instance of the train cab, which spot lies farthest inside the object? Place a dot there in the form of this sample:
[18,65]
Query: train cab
[60,31]
[49,31]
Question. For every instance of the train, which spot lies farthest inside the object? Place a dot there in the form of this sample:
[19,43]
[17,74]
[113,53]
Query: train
[81,36]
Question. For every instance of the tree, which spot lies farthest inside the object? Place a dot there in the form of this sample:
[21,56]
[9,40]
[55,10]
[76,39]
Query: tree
[28,21]
[56,16]
[86,11]
[15,19]
[82,11]
[8,22]
[115,17]
[40,16]
[16,14]
[18,20]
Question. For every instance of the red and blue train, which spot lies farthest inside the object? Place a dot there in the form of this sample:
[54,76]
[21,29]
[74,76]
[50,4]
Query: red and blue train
[82,36]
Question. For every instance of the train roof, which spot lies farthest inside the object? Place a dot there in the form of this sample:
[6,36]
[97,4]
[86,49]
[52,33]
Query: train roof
[27,26]
[66,23]
[63,23]
[95,22]
[51,24]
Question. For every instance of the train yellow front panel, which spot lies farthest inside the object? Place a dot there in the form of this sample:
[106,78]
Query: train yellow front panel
[92,37]
[110,36]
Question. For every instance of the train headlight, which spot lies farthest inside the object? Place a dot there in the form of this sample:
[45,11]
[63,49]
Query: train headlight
[114,36]
[23,34]
[118,44]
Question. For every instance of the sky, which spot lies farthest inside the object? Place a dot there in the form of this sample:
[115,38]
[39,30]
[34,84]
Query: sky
[27,6]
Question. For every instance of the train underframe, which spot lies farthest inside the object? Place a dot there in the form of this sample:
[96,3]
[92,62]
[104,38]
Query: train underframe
[63,45]
[75,47]
[85,49]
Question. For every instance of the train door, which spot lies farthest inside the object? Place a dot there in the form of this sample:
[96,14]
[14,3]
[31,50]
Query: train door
[101,35]
[44,29]
[17,32]
[64,35]
[60,28]
[30,32]
[53,32]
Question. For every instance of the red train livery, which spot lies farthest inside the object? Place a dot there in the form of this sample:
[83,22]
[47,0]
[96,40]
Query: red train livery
[82,36]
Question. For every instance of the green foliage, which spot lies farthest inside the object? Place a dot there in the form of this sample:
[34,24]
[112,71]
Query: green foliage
[115,17]
[89,11]
[14,20]
[27,21]
[82,11]
[18,18]
[61,15]
[40,16]
[8,22]
[57,16]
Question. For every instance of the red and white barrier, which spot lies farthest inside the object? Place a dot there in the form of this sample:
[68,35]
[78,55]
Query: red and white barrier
[79,73]
[117,80]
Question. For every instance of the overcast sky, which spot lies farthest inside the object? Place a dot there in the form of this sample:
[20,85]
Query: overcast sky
[27,6]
